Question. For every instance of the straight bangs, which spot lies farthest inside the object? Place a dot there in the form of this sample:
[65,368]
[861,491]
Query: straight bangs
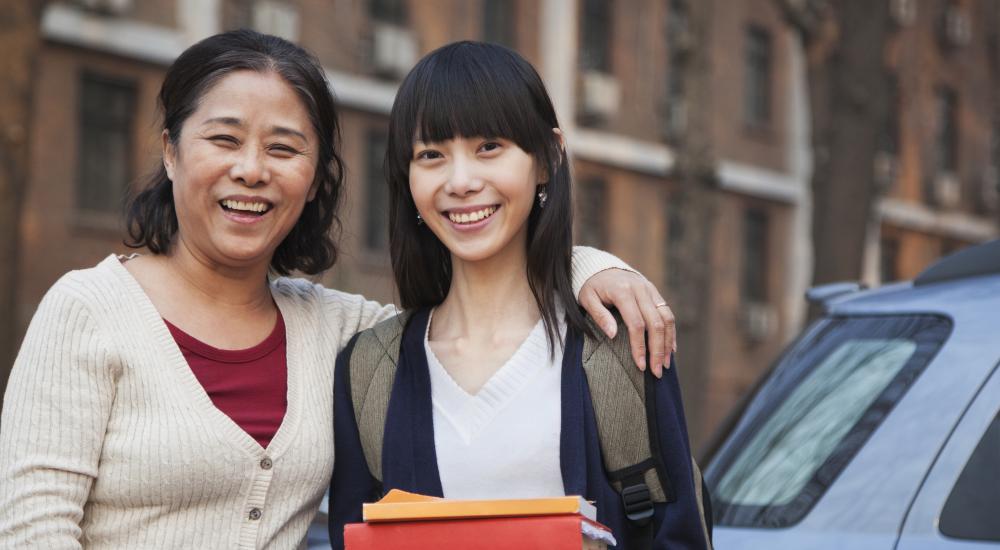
[472,90]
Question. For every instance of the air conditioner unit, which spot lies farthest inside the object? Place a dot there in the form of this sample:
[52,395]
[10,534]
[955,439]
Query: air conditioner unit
[394,50]
[601,95]
[957,27]
[903,12]
[107,7]
[989,190]
[759,320]
[277,18]
[946,190]
[886,167]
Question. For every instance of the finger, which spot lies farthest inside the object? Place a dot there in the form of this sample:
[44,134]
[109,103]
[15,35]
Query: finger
[655,331]
[669,320]
[632,316]
[592,303]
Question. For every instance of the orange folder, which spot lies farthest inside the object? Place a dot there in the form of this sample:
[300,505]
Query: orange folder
[400,506]
[417,522]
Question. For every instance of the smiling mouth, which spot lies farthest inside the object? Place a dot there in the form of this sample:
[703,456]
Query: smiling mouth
[253,208]
[471,217]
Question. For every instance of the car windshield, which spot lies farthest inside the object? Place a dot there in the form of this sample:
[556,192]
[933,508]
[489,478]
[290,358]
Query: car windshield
[813,413]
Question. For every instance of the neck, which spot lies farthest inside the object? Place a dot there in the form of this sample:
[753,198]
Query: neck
[487,297]
[217,284]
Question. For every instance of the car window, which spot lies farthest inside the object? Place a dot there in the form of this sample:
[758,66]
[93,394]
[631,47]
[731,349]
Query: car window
[814,412]
[973,507]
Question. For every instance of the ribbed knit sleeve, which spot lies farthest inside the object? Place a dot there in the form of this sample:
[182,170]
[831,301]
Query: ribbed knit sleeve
[588,262]
[56,409]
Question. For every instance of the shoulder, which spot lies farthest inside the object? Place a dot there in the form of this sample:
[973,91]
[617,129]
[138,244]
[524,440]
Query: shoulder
[619,346]
[92,288]
[301,292]
[381,338]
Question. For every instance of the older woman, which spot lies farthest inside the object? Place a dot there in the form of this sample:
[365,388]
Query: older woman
[183,398]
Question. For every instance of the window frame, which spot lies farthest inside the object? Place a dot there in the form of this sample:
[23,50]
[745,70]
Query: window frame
[803,357]
[93,121]
[758,92]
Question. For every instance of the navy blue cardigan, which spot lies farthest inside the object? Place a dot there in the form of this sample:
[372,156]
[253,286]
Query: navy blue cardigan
[409,459]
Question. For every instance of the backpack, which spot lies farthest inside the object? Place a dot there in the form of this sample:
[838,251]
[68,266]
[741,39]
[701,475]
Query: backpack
[620,394]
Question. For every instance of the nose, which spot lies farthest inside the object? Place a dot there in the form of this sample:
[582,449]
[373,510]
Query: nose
[463,180]
[249,168]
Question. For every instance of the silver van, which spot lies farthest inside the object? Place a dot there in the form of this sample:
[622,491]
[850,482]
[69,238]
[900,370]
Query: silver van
[879,428]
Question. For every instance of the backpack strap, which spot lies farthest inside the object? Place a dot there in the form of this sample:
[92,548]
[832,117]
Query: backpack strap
[373,371]
[620,395]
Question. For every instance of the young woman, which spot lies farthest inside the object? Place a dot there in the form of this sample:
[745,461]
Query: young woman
[489,398]
[181,399]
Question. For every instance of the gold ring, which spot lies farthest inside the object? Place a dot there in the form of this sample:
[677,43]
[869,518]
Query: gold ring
[662,304]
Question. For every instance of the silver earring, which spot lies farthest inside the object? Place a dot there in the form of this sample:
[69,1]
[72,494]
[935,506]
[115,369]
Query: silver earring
[542,197]
[420,221]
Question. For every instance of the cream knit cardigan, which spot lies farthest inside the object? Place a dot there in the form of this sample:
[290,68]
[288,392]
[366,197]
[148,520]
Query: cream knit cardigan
[107,440]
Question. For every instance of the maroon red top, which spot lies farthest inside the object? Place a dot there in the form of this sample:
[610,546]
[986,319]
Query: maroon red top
[249,385]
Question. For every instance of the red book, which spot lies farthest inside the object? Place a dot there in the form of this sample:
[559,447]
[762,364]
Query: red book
[416,522]
[559,532]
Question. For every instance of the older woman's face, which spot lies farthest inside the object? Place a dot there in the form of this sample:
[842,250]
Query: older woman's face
[242,170]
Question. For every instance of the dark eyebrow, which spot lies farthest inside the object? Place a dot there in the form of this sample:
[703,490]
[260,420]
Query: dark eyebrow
[227,120]
[280,130]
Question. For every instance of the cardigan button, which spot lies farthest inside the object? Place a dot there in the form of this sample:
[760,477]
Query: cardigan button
[266,464]
[255,514]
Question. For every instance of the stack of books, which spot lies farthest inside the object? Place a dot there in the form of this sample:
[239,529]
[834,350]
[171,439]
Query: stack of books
[409,521]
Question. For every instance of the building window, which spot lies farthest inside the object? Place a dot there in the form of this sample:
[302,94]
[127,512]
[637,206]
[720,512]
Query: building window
[388,11]
[755,237]
[947,138]
[889,260]
[376,193]
[104,168]
[757,93]
[592,205]
[498,22]
[677,36]
[891,132]
[595,36]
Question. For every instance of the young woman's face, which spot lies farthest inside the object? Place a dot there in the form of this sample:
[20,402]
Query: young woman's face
[242,169]
[475,194]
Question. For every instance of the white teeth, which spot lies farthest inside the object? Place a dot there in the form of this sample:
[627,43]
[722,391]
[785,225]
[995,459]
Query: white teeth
[472,217]
[244,206]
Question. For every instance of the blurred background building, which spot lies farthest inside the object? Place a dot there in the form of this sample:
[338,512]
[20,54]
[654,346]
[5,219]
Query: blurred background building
[711,141]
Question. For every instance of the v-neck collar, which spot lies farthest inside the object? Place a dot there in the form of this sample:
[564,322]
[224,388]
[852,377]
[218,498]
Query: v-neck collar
[409,456]
[193,389]
[470,413]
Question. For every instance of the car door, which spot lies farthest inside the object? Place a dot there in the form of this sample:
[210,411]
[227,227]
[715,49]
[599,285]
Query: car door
[958,506]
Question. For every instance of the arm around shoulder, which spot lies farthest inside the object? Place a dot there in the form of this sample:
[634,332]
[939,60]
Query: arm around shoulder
[55,413]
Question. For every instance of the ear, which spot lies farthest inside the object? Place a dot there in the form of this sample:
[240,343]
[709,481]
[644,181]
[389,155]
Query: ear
[562,138]
[169,154]
[544,176]
[314,188]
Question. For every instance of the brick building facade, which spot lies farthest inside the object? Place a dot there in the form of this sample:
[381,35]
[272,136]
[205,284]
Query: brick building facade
[609,68]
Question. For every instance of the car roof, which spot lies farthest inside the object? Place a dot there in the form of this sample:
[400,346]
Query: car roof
[964,286]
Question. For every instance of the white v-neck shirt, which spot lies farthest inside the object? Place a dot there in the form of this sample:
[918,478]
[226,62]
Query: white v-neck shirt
[502,442]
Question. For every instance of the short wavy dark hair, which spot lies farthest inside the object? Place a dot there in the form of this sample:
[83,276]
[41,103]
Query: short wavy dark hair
[311,245]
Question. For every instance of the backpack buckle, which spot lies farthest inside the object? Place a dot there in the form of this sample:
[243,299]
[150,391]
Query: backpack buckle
[638,503]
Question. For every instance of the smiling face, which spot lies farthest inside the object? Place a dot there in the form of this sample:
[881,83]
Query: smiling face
[242,169]
[475,194]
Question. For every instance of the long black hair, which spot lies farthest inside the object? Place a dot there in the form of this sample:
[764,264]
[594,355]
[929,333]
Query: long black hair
[473,89]
[310,247]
